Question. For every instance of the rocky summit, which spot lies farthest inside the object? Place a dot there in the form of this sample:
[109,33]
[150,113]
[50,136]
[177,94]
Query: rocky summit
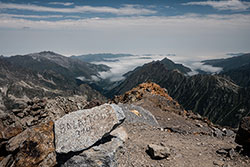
[79,130]
[143,127]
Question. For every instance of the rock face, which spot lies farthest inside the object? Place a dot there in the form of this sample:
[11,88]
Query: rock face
[243,134]
[81,129]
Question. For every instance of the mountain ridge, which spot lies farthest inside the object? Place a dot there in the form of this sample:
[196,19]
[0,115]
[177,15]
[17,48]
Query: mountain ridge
[212,96]
[24,77]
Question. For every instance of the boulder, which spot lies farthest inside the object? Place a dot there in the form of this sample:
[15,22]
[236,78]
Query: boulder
[35,147]
[243,134]
[158,151]
[81,129]
[104,154]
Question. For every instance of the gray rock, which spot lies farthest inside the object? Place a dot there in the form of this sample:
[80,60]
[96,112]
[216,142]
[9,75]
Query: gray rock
[231,153]
[218,163]
[158,152]
[135,114]
[217,133]
[222,151]
[228,132]
[81,129]
[101,155]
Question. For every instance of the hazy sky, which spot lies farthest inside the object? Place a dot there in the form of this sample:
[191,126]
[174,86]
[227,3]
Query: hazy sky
[189,29]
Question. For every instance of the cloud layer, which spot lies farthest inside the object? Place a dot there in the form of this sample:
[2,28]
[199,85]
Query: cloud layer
[62,3]
[223,5]
[124,64]
[125,10]
[119,28]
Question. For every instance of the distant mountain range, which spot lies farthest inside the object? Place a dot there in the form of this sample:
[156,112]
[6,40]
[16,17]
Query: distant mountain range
[44,74]
[223,98]
[217,97]
[237,68]
[229,63]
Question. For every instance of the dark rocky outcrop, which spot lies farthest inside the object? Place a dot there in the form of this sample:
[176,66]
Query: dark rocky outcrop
[243,134]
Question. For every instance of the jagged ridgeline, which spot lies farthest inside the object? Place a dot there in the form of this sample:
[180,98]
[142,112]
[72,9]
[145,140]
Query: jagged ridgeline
[223,98]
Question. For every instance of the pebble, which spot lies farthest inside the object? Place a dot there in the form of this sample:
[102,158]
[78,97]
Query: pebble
[218,163]
[199,125]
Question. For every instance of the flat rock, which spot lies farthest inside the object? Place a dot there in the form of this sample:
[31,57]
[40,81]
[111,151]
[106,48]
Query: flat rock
[137,114]
[81,129]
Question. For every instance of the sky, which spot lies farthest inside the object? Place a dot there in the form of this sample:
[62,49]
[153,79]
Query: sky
[190,29]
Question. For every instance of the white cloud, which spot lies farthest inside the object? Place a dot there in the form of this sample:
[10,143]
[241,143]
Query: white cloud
[173,23]
[189,36]
[200,66]
[4,15]
[125,10]
[92,79]
[125,64]
[223,5]
[62,3]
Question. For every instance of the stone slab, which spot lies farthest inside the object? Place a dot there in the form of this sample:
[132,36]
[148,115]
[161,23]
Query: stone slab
[81,129]
[137,114]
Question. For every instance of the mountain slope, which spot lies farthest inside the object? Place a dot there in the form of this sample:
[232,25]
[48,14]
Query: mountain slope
[240,75]
[40,75]
[236,68]
[49,61]
[212,96]
[229,63]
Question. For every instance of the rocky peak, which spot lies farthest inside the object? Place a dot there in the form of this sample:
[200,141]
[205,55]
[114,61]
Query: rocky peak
[141,90]
[51,56]
[150,95]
